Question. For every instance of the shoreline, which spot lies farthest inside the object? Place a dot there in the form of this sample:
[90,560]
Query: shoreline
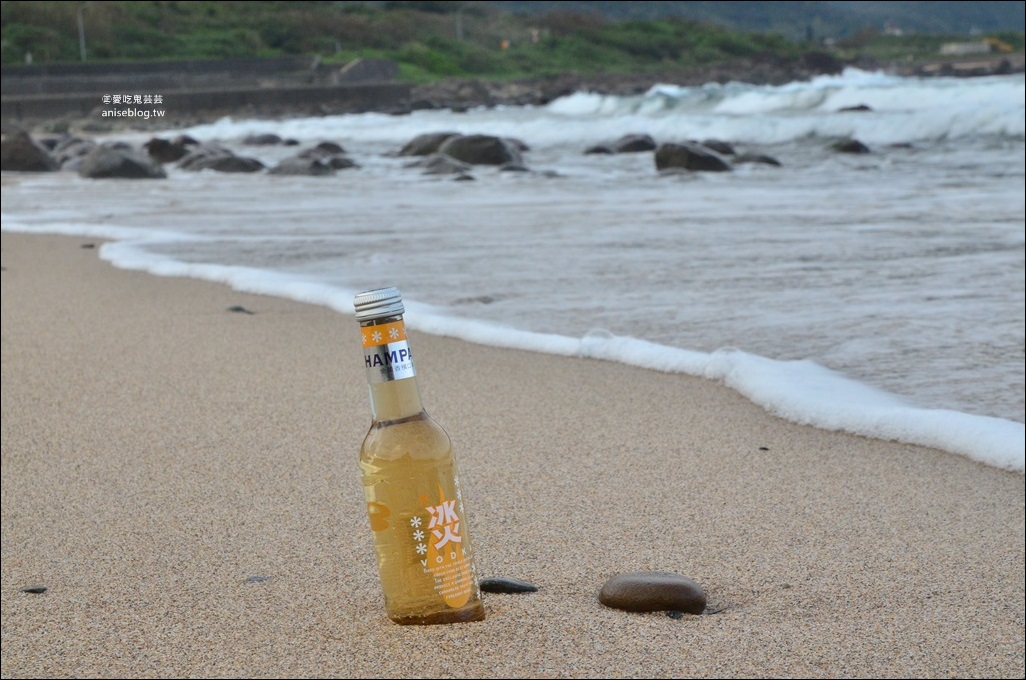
[160,451]
[202,104]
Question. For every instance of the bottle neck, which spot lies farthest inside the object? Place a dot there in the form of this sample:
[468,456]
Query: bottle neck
[391,378]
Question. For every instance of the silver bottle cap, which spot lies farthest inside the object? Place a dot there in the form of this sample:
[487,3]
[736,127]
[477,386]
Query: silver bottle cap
[378,304]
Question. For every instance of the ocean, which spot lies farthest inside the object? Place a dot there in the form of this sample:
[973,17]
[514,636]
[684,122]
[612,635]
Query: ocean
[878,293]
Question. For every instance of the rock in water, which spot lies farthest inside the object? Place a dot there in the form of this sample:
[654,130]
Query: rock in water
[21,153]
[480,150]
[652,591]
[504,584]
[689,156]
[109,162]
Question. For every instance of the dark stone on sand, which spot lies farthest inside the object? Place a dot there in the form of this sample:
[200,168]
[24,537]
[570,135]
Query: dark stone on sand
[426,144]
[106,162]
[860,107]
[599,149]
[850,146]
[240,309]
[634,144]
[480,150]
[507,585]
[689,157]
[20,153]
[35,590]
[652,591]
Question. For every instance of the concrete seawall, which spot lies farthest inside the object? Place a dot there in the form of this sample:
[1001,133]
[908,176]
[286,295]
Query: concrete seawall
[184,90]
[269,101]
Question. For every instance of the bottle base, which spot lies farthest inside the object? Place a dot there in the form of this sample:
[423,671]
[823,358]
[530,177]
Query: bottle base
[453,616]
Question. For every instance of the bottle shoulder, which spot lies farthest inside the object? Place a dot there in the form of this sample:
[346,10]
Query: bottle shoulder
[417,437]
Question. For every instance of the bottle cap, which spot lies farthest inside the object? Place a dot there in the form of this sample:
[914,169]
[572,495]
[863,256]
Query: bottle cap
[378,304]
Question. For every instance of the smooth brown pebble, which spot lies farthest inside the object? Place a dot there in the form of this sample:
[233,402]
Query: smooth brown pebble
[653,591]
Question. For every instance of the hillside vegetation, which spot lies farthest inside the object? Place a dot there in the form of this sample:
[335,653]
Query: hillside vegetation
[429,40]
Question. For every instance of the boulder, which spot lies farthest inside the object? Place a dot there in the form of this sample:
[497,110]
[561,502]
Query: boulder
[719,146]
[426,144]
[634,144]
[105,162]
[165,151]
[265,139]
[329,147]
[755,158]
[228,163]
[480,150]
[311,167]
[70,151]
[599,149]
[218,159]
[330,153]
[200,155]
[850,146]
[440,164]
[20,153]
[689,156]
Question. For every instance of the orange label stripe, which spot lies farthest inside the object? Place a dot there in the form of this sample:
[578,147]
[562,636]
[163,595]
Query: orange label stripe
[374,336]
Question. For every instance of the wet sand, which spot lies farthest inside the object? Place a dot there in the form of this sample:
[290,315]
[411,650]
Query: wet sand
[182,480]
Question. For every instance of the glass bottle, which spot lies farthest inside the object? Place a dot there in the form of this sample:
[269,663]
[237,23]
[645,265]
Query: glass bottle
[410,482]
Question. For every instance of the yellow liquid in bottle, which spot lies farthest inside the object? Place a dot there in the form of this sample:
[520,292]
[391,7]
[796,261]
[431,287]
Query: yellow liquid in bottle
[416,513]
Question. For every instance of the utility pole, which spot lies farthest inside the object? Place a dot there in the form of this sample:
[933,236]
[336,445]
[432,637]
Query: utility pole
[81,31]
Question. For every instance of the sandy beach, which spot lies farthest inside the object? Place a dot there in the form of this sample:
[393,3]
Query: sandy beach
[182,480]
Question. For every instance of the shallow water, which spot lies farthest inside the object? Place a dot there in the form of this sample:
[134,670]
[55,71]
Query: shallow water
[902,269]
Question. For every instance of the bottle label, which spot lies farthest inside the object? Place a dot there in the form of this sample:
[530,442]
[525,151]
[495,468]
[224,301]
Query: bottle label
[430,553]
[386,352]
[442,552]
